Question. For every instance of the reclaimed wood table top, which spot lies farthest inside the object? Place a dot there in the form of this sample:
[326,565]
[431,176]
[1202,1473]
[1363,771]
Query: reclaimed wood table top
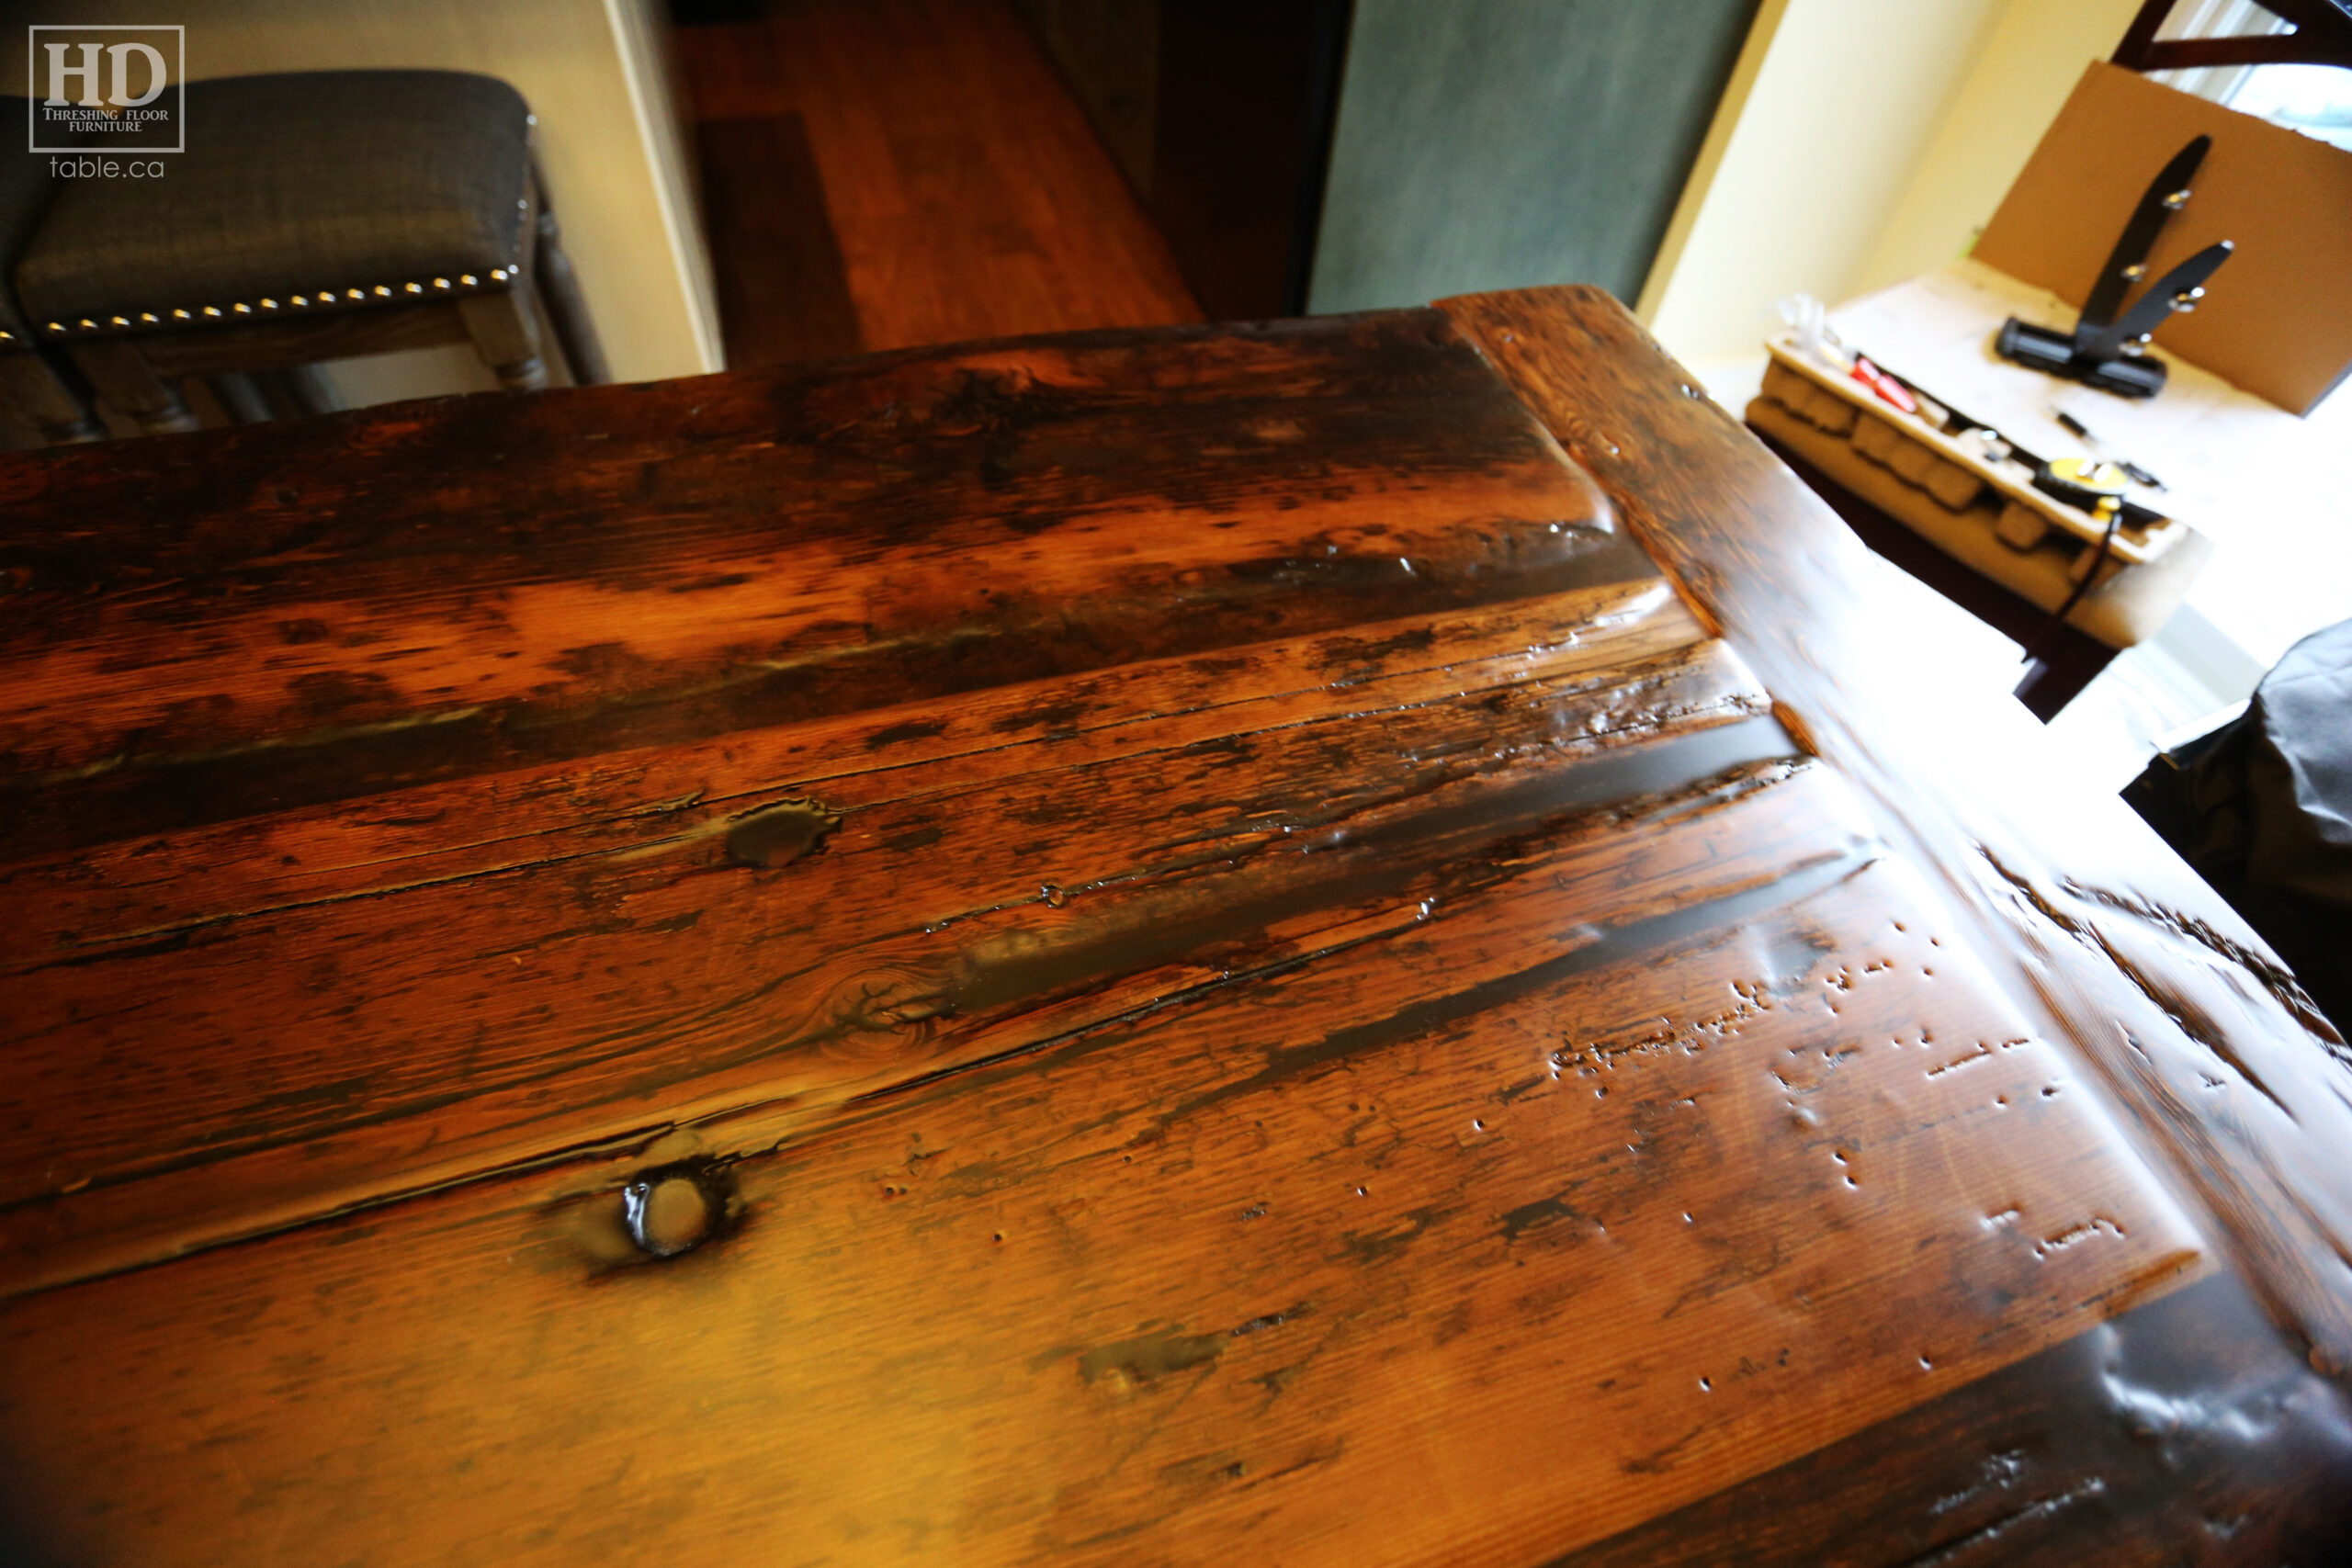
[1360,940]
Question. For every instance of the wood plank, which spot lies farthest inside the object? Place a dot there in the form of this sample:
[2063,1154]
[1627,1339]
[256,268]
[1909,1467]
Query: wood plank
[969,197]
[74,905]
[782,289]
[2185,1427]
[1452,1065]
[1668,1197]
[2216,1055]
[706,558]
[272,1067]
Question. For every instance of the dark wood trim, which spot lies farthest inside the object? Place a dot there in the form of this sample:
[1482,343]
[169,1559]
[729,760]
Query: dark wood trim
[2323,36]
[1249,91]
[283,346]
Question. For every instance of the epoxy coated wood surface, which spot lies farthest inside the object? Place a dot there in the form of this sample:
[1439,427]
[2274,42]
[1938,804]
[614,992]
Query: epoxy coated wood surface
[1244,977]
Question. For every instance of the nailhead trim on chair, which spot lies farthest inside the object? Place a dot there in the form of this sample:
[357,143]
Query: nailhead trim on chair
[325,298]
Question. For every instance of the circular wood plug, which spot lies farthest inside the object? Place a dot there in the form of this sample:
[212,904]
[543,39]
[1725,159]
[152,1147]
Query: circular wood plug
[667,1214]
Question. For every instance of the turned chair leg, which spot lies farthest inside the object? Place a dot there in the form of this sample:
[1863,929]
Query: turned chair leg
[294,392]
[506,332]
[575,333]
[126,383]
[241,396]
[252,397]
[2074,660]
[307,390]
[33,393]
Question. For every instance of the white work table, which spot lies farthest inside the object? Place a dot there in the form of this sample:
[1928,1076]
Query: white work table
[2273,491]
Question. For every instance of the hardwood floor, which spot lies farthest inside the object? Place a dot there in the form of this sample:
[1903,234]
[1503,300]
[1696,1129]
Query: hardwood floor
[917,165]
[783,288]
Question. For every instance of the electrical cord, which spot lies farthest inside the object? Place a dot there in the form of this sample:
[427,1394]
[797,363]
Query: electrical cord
[2038,648]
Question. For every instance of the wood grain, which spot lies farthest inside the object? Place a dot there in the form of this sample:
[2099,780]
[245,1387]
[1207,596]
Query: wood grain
[1216,1272]
[371,1040]
[146,886]
[707,561]
[2216,1054]
[967,195]
[1194,1055]
[2181,1432]
[782,289]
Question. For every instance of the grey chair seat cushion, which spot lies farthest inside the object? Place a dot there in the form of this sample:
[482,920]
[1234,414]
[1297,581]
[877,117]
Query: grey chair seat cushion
[295,183]
[24,196]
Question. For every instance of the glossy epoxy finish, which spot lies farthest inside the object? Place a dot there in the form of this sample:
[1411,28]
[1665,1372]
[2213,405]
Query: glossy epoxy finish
[2211,1045]
[1369,1035]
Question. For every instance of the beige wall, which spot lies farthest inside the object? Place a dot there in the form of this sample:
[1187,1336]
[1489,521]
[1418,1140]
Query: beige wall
[1861,142]
[608,139]
[2030,60]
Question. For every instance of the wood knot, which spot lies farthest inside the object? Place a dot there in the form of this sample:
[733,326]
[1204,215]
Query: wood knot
[779,834]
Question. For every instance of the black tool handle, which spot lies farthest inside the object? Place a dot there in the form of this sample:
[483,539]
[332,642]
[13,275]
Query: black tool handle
[2138,238]
[2161,300]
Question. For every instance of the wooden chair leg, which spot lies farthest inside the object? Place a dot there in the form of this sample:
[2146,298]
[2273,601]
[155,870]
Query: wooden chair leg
[241,396]
[2073,659]
[126,383]
[296,392]
[35,395]
[2072,663]
[506,332]
[308,390]
[575,331]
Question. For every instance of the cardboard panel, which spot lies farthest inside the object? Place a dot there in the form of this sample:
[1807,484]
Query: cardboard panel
[2276,319]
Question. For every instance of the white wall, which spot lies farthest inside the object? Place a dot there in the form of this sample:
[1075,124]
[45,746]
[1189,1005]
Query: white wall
[616,171]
